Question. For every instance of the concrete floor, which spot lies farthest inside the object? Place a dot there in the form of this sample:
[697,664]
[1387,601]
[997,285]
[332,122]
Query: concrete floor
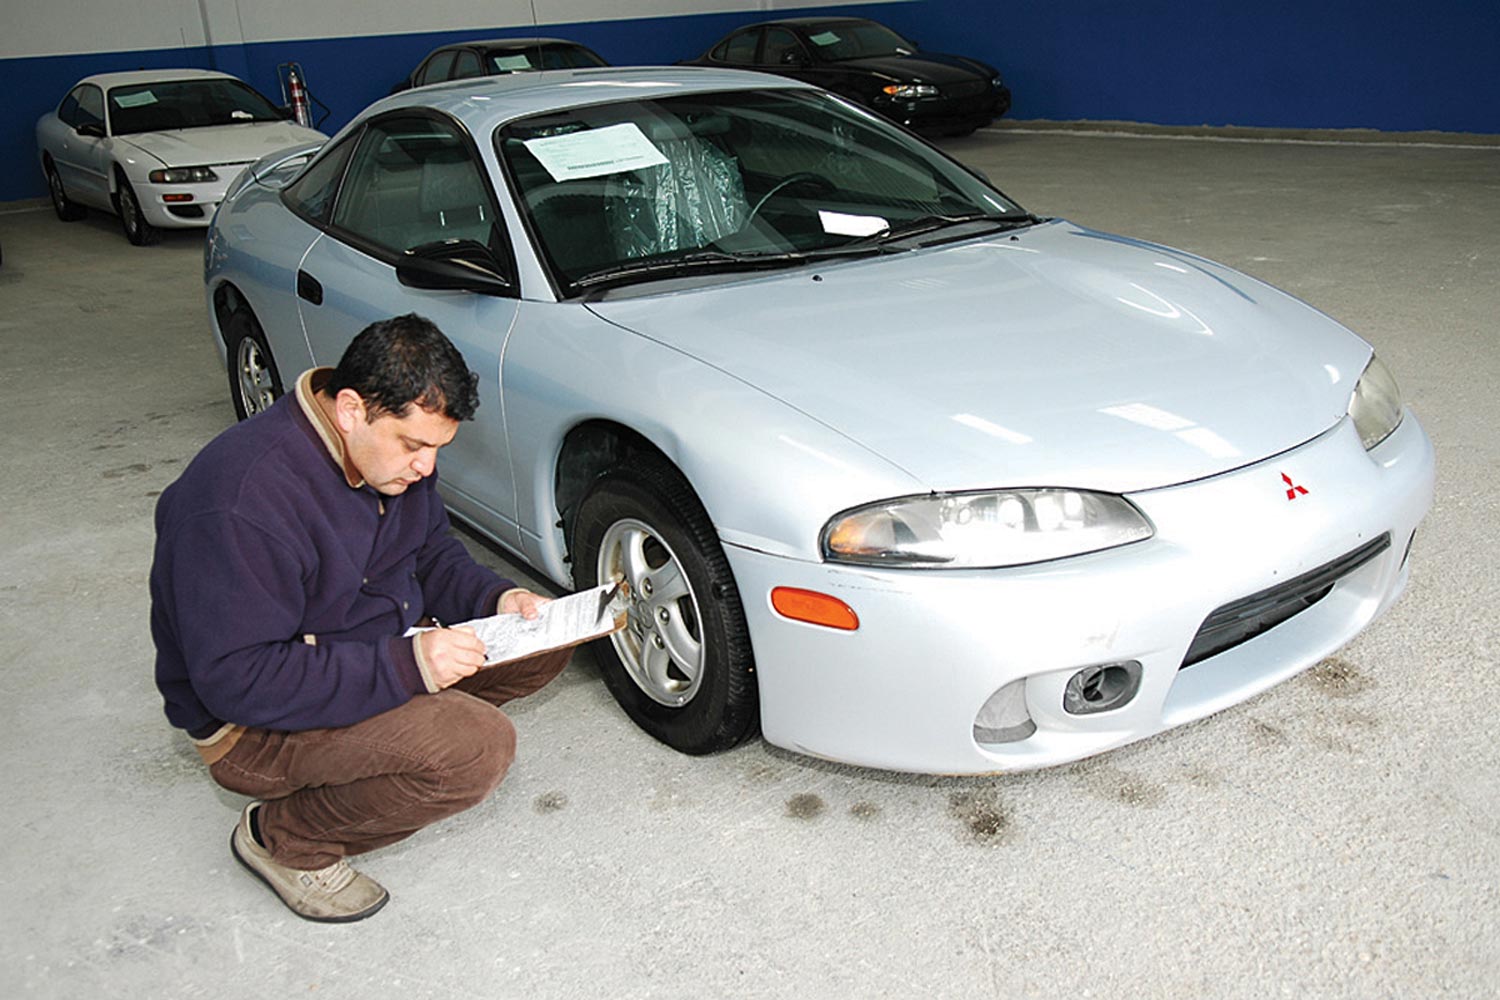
[1338,836]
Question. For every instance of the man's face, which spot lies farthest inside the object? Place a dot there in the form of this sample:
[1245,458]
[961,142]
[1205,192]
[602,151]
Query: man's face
[391,452]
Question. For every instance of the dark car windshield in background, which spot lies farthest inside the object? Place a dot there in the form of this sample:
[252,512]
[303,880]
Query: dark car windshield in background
[837,41]
[552,56]
[172,104]
[727,179]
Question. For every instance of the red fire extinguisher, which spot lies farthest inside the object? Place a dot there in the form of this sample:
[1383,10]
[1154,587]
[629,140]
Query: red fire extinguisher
[297,93]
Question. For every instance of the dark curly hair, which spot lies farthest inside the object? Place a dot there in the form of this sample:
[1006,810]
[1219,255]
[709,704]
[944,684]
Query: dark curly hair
[396,362]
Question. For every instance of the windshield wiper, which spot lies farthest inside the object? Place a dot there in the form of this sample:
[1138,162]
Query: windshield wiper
[922,225]
[714,262]
[706,261]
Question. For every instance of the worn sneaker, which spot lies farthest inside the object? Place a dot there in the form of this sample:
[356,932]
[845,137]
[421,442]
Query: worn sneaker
[336,895]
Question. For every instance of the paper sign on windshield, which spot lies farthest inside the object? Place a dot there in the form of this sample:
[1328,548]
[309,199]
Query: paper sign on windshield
[511,64]
[596,152]
[139,99]
[825,38]
[844,224]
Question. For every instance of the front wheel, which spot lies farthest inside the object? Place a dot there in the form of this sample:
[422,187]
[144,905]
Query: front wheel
[682,668]
[254,382]
[132,219]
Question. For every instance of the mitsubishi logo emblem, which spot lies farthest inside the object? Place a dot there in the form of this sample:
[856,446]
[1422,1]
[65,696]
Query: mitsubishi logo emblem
[1292,489]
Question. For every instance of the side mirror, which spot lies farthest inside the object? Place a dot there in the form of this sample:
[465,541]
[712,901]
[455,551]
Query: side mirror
[793,58]
[453,265]
[94,129]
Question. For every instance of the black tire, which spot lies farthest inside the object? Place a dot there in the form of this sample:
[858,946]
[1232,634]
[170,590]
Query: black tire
[67,210]
[137,229]
[254,382]
[682,668]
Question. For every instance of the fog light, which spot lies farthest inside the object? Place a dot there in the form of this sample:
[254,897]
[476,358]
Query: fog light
[1101,688]
[1004,717]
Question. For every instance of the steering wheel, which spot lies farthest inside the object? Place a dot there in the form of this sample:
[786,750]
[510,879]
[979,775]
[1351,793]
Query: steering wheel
[800,177]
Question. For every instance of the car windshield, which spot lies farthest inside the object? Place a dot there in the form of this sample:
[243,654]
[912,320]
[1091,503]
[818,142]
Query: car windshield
[541,57]
[840,40]
[163,105]
[725,181]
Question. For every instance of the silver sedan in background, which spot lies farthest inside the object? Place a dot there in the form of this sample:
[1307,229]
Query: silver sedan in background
[156,147]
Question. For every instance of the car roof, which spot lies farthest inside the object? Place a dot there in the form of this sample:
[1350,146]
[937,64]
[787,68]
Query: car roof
[486,101]
[807,22]
[129,77]
[512,43]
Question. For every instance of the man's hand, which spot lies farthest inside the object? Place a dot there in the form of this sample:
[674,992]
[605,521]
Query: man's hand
[451,654]
[518,601]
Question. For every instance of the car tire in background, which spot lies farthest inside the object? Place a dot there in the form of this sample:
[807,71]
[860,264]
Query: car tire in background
[682,668]
[67,210]
[132,220]
[254,382]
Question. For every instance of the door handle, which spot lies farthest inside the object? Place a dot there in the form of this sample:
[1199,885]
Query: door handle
[309,288]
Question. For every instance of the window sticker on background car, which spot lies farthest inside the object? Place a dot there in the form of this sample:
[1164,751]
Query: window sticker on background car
[844,224]
[139,99]
[509,64]
[825,38]
[614,149]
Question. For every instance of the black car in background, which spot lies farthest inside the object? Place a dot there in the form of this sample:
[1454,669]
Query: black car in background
[871,65]
[494,56]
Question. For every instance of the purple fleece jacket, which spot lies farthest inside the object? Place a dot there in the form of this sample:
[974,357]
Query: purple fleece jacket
[279,593]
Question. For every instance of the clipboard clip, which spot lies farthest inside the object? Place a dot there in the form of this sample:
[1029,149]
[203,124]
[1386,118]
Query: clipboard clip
[609,595]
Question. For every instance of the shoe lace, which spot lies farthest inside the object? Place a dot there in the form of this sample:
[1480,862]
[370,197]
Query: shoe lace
[330,879]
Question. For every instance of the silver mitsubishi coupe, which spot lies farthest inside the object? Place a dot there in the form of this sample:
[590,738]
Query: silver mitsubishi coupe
[899,473]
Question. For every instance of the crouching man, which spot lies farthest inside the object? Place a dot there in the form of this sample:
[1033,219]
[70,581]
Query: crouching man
[291,557]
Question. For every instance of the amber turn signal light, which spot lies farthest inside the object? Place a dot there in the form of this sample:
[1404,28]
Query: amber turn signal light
[814,608]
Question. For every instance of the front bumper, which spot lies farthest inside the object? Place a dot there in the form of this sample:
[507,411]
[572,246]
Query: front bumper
[902,692]
[177,214]
[947,114]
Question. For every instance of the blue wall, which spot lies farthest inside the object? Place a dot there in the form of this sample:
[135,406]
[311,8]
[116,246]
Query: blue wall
[1316,64]
[1311,64]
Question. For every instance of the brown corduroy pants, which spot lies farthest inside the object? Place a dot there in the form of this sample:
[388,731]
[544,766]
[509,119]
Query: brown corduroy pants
[331,793]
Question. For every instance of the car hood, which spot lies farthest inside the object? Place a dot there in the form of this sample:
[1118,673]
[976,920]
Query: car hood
[191,147]
[1055,357]
[922,67]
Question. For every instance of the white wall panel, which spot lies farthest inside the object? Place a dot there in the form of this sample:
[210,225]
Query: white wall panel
[64,27]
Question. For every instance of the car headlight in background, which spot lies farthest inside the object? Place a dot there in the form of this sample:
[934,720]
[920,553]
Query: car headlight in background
[183,175]
[909,90]
[1376,404]
[974,530]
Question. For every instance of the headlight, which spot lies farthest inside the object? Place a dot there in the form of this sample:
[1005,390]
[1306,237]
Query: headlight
[183,175]
[973,530]
[1376,404]
[997,83]
[908,90]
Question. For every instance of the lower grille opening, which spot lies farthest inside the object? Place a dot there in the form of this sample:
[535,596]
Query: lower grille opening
[1244,619]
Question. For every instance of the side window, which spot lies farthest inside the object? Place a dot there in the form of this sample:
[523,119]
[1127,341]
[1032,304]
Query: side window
[781,48]
[741,48]
[67,111]
[466,65]
[436,69]
[311,195]
[84,106]
[413,181]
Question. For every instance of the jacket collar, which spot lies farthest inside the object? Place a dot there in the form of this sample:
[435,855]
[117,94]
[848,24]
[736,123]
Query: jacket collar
[309,385]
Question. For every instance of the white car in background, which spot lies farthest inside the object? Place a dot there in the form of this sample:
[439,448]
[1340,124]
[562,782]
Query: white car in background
[156,147]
